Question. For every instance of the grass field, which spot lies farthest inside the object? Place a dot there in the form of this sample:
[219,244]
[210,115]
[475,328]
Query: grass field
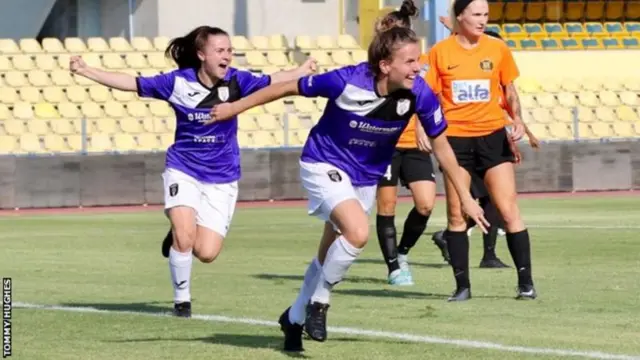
[586,265]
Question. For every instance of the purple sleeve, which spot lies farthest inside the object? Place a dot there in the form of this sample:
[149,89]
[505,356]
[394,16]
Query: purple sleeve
[428,109]
[159,86]
[250,82]
[328,85]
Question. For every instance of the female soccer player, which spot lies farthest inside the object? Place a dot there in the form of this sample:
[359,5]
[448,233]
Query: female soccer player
[469,71]
[412,165]
[203,165]
[348,151]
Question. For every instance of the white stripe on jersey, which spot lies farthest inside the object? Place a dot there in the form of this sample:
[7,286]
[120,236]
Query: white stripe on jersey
[187,94]
[358,101]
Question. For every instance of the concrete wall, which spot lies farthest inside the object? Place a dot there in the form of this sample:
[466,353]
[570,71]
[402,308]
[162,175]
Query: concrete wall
[76,180]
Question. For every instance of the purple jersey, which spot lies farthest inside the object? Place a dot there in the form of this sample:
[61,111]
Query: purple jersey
[209,153]
[359,129]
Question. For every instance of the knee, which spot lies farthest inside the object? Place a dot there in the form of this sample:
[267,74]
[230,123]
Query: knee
[358,236]
[456,220]
[425,208]
[511,216]
[184,239]
[386,207]
[206,257]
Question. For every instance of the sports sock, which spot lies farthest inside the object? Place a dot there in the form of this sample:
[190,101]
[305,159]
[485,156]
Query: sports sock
[414,226]
[339,258]
[520,249]
[297,313]
[458,246]
[180,268]
[493,217]
[386,230]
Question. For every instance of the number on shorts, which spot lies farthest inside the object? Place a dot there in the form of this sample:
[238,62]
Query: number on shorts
[387,174]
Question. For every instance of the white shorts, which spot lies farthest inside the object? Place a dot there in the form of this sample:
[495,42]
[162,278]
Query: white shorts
[214,203]
[327,186]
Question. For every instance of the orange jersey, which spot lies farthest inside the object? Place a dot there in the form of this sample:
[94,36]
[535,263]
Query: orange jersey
[470,83]
[408,138]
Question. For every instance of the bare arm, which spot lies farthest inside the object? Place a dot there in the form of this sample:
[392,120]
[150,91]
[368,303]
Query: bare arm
[309,67]
[514,101]
[114,80]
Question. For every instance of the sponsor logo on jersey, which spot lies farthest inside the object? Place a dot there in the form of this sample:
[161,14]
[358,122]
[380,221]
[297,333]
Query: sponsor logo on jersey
[471,91]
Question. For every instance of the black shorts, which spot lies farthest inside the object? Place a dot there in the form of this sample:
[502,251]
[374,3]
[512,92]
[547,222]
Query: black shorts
[478,188]
[408,165]
[479,154]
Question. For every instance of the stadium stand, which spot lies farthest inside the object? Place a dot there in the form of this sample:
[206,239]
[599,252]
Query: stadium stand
[44,109]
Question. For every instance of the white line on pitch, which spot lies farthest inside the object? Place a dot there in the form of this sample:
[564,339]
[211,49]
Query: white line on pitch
[353,331]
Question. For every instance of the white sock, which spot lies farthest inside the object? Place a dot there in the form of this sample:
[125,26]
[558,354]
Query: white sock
[298,311]
[180,267]
[339,258]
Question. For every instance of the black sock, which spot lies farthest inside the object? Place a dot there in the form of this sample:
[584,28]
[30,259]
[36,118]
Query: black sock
[520,249]
[414,226]
[387,239]
[489,239]
[458,246]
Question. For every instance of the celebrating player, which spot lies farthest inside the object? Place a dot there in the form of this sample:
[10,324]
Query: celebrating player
[203,165]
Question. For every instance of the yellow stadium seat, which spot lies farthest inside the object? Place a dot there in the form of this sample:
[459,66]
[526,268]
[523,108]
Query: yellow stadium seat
[167,140]
[23,111]
[99,93]
[160,109]
[514,31]
[574,11]
[629,98]
[605,114]
[62,126]
[255,110]
[148,142]
[563,114]
[240,44]
[623,129]
[158,125]
[608,98]
[359,56]
[30,46]
[592,44]
[61,78]
[513,11]
[277,58]
[528,101]
[585,132]
[38,78]
[631,84]
[114,109]
[260,42]
[303,104]
[8,95]
[321,57]
[567,99]
[54,143]
[243,139]
[612,43]
[69,110]
[588,98]
[100,142]
[91,110]
[45,111]
[30,143]
[346,41]
[53,45]
[601,129]
[136,61]
[137,109]
[14,126]
[170,123]
[614,10]
[256,58]
[77,94]
[124,142]
[23,62]
[302,134]
[304,42]
[341,57]
[45,62]
[75,45]
[131,125]
[157,60]
[626,113]
[321,103]
[8,144]
[4,112]
[9,46]
[539,130]
[262,139]
[113,61]
[119,44]
[5,63]
[292,122]
[278,42]
[246,122]
[586,114]
[161,43]
[30,94]
[325,42]
[575,30]
[560,131]
[148,125]
[547,100]
[122,96]
[275,107]
[38,126]
[97,44]
[267,122]
[541,115]
[74,142]
[140,43]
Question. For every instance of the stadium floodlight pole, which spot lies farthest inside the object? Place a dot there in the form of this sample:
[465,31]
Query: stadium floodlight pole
[131,6]
[433,10]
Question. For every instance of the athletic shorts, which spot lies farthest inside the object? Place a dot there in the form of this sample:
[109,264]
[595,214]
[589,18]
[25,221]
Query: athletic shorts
[478,188]
[327,186]
[214,203]
[479,154]
[409,166]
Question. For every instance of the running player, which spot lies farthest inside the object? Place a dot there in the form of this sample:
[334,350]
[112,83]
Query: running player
[411,164]
[348,151]
[469,71]
[203,165]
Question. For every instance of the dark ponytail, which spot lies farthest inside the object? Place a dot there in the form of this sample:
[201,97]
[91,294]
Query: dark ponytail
[385,44]
[401,17]
[184,50]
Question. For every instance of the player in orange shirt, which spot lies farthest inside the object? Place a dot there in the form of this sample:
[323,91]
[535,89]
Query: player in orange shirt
[411,165]
[469,71]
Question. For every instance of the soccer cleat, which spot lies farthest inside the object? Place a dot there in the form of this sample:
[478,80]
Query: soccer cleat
[494,263]
[441,243]
[166,243]
[182,309]
[526,292]
[461,294]
[400,278]
[501,232]
[316,322]
[292,333]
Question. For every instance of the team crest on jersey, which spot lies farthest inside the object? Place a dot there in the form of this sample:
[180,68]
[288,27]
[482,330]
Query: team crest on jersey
[486,65]
[403,106]
[223,93]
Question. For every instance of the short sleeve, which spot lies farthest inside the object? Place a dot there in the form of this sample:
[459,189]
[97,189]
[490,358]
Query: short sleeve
[431,74]
[158,87]
[428,109]
[250,82]
[508,68]
[328,85]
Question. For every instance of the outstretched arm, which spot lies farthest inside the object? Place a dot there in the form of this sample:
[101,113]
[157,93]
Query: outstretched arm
[309,67]
[114,80]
